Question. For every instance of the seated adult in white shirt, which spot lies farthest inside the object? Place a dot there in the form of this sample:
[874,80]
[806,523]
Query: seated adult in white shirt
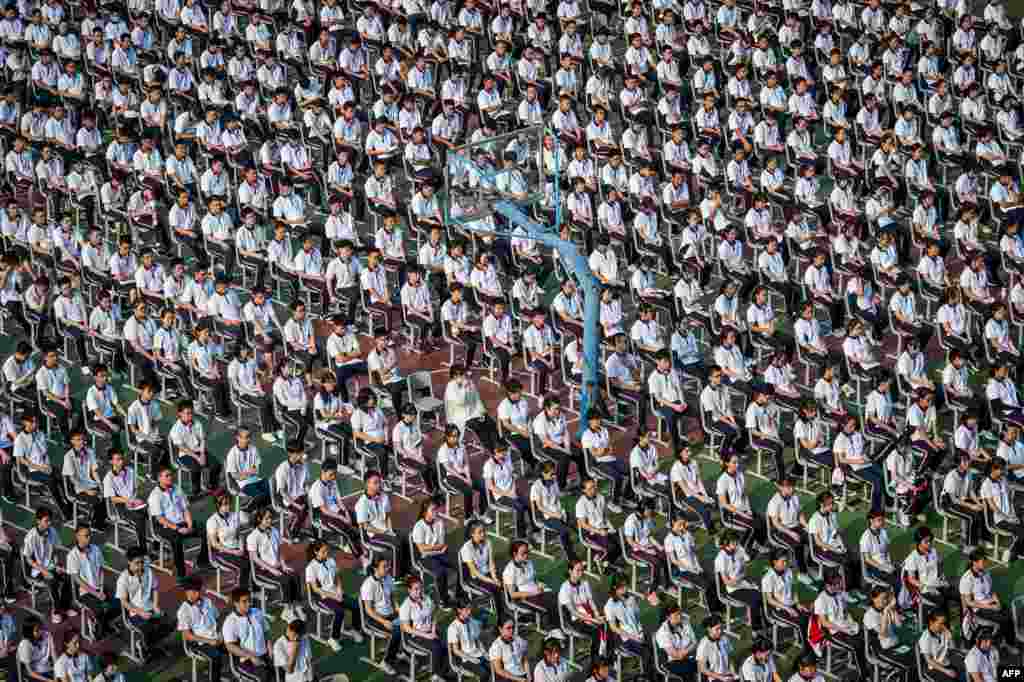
[245,636]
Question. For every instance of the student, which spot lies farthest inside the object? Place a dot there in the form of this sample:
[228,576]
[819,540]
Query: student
[245,636]
[293,653]
[263,546]
[325,584]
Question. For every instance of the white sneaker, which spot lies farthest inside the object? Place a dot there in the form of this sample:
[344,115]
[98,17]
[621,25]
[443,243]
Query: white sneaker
[346,470]
[556,634]
[279,435]
[903,519]
[86,371]
[1006,556]
[486,519]
[355,636]
[270,437]
[299,613]
[614,508]
[805,579]
[387,668]
[436,678]
[334,644]
[287,615]
[244,518]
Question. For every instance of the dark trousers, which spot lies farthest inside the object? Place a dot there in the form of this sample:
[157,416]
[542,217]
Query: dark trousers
[754,523]
[97,505]
[674,420]
[616,471]
[873,476]
[342,373]
[216,656]
[544,605]
[105,611]
[655,560]
[195,471]
[854,644]
[849,562]
[177,541]
[395,642]
[219,390]
[339,609]
[476,485]
[153,630]
[440,567]
[438,649]
[701,509]
[564,536]
[241,564]
[472,339]
[798,622]
[299,510]
[60,591]
[496,595]
[608,543]
[563,459]
[485,429]
[56,490]
[65,417]
[593,632]
[347,530]
[752,598]
[799,546]
[287,582]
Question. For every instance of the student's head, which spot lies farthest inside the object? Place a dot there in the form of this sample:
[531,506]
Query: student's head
[241,598]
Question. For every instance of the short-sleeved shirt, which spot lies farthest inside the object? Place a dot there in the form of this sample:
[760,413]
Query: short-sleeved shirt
[419,615]
[377,591]
[374,511]
[136,590]
[478,555]
[246,631]
[511,654]
[170,504]
[199,618]
[87,564]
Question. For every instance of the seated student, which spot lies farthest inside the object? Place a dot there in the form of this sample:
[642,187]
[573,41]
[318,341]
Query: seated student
[576,601]
[730,571]
[418,623]
[622,613]
[520,580]
[874,550]
[377,595]
[222,538]
[428,538]
[762,427]
[197,623]
[172,520]
[556,443]
[677,642]
[373,514]
[464,407]
[293,653]
[735,504]
[514,421]
[824,531]
[407,441]
[597,442]
[546,503]
[832,622]
[980,601]
[921,575]
[715,402]
[477,558]
[641,545]
[331,512]
[245,636]
[455,473]
[243,465]
[777,588]
[289,392]
[714,660]
[788,524]
[143,420]
[332,417]
[38,550]
[849,450]
[119,489]
[690,492]
[593,524]
[85,569]
[881,619]
[188,438]
[806,670]
[368,428]
[83,480]
[101,401]
[463,636]
[325,583]
[500,482]
[138,590]
[290,485]
[936,648]
[508,654]
[31,450]
[683,562]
